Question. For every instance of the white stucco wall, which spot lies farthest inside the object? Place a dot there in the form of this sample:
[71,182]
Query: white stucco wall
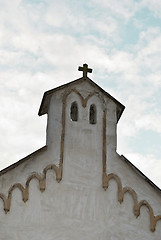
[78,207]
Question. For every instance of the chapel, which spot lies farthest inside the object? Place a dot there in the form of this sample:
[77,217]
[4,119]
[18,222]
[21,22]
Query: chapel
[77,186]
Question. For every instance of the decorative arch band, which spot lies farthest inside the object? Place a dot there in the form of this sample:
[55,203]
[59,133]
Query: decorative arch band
[137,205]
[41,178]
[84,104]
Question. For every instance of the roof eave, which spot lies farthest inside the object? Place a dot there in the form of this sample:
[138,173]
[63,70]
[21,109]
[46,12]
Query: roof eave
[141,174]
[47,96]
[14,165]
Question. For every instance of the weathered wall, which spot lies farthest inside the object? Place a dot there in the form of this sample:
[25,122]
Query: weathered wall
[78,207]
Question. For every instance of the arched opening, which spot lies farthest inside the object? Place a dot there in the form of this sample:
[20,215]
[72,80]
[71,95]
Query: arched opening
[74,111]
[92,114]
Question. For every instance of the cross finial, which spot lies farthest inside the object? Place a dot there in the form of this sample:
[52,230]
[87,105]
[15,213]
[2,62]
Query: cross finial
[85,70]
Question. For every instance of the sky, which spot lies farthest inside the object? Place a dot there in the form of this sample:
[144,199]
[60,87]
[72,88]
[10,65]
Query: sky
[42,43]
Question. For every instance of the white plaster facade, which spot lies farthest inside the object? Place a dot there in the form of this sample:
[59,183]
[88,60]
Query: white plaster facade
[78,207]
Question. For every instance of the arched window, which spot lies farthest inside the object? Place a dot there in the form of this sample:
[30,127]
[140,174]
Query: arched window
[74,111]
[92,114]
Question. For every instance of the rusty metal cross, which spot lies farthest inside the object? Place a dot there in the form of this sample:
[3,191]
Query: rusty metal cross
[85,70]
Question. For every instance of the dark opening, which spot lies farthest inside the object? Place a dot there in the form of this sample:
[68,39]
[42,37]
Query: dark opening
[74,112]
[92,114]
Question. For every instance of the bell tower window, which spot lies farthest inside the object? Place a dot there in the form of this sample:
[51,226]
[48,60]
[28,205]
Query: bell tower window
[92,114]
[74,111]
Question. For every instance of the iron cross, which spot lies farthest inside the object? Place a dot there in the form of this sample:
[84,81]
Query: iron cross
[85,70]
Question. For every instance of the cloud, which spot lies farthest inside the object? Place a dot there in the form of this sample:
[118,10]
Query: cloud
[124,9]
[153,5]
[43,43]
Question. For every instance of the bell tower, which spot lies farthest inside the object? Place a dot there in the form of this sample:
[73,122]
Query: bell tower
[81,129]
